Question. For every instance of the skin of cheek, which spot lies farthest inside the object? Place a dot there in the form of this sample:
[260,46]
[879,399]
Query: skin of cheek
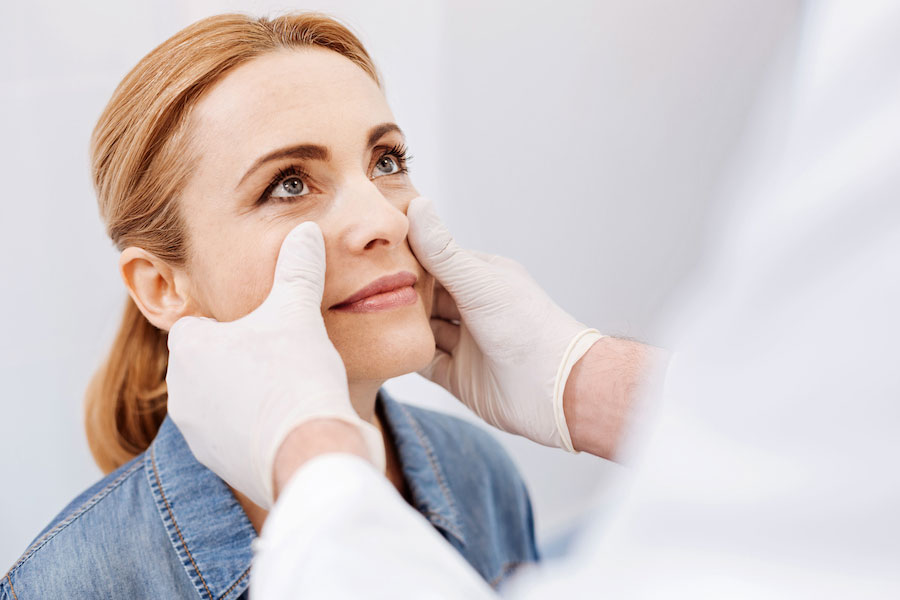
[229,282]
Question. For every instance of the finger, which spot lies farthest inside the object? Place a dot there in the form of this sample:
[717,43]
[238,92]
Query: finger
[444,306]
[427,234]
[300,269]
[438,370]
[185,329]
[446,335]
[302,255]
[485,256]
[497,260]
[433,245]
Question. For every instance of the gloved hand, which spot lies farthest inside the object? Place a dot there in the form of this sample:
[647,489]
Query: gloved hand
[510,354]
[236,389]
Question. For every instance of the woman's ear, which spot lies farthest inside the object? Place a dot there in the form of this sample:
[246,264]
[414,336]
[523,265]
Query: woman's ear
[159,291]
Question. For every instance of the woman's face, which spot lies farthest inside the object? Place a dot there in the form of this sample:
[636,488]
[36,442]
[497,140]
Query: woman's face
[293,136]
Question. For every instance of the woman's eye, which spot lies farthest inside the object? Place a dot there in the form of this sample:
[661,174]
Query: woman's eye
[386,165]
[289,187]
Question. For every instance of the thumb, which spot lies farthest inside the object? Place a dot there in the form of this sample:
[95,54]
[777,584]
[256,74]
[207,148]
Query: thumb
[185,330]
[301,263]
[433,245]
[439,370]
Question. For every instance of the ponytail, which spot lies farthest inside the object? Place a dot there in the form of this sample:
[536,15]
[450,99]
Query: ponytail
[126,399]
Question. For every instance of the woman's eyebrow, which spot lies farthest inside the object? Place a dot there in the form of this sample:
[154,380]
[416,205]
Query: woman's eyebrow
[314,151]
[379,131]
[301,151]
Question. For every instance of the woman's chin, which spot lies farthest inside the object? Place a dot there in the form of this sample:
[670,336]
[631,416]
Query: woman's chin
[380,351]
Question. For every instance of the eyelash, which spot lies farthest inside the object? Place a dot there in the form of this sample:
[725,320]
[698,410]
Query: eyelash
[401,153]
[398,151]
[281,175]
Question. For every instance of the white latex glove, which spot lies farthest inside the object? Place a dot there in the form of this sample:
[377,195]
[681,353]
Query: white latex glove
[236,389]
[509,356]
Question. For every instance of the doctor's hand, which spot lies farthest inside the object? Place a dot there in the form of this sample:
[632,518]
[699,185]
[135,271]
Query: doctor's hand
[504,347]
[238,389]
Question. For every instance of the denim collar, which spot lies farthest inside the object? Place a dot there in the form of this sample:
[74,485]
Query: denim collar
[421,468]
[212,535]
[208,529]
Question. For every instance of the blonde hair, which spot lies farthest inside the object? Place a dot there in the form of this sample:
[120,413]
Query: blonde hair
[140,163]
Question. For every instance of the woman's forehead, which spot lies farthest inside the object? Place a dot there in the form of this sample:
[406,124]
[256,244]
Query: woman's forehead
[281,97]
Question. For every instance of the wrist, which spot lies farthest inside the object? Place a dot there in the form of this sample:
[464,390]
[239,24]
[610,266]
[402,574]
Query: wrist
[602,389]
[311,439]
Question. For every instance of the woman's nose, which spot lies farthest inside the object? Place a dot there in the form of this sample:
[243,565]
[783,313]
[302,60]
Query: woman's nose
[369,219]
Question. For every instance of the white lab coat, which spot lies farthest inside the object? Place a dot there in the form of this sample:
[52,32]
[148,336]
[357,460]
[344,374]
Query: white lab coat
[769,469]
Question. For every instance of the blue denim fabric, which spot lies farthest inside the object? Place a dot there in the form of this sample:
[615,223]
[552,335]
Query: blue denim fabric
[164,526]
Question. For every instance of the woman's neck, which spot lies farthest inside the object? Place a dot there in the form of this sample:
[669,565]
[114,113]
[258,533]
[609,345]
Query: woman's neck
[362,396]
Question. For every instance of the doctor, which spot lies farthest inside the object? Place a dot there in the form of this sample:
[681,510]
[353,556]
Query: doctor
[769,470]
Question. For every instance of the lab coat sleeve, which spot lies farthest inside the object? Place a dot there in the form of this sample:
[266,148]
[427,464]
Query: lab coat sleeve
[340,530]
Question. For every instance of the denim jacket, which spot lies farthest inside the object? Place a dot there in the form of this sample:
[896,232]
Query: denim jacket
[164,526]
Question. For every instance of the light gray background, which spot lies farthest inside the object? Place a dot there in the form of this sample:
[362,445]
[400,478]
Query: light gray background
[584,139]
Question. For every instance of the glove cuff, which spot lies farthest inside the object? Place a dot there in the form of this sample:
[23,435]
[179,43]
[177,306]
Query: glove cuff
[370,434]
[577,348]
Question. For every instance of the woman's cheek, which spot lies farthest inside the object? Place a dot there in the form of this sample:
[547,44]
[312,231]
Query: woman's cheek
[428,293]
[249,281]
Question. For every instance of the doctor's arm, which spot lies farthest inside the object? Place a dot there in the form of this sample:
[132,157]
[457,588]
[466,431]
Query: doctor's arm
[602,388]
[340,530]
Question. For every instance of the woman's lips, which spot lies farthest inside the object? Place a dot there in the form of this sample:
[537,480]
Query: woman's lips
[384,293]
[403,296]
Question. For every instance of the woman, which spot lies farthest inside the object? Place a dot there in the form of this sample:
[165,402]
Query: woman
[210,151]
